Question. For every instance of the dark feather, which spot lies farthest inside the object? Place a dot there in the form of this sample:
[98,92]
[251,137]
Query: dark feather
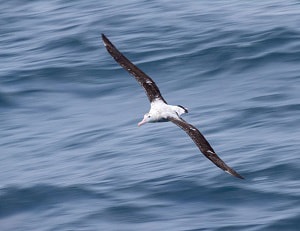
[143,79]
[204,146]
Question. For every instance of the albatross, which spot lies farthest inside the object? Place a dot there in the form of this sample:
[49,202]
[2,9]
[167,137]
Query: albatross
[161,111]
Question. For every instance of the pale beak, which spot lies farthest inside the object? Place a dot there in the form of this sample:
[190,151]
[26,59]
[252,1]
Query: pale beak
[142,122]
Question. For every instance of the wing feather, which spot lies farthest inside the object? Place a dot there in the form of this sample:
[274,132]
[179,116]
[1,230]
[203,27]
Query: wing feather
[143,79]
[204,146]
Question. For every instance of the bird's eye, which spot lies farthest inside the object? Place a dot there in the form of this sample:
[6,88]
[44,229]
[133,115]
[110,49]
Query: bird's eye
[149,116]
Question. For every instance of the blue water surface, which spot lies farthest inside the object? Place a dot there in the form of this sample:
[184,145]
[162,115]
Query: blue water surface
[72,156]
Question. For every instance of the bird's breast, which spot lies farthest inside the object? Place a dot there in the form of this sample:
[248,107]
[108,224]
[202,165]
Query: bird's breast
[161,111]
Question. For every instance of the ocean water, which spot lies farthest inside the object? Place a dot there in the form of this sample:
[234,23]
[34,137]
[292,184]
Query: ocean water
[72,156]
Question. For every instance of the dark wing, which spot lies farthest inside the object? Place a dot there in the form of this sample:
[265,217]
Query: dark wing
[144,80]
[203,145]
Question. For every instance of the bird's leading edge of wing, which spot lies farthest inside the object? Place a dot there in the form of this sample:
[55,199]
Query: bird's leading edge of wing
[143,79]
[203,145]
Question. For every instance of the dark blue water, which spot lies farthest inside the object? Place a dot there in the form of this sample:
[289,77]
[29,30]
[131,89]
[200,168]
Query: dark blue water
[72,156]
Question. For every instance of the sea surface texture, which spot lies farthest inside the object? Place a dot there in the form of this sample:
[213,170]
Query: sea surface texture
[71,154]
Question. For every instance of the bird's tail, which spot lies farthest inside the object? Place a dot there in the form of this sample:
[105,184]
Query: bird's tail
[180,110]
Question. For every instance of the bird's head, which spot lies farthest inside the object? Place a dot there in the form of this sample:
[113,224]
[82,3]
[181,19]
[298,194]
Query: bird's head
[148,118]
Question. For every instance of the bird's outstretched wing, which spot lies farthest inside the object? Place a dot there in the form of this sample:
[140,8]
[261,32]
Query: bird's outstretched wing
[203,145]
[143,79]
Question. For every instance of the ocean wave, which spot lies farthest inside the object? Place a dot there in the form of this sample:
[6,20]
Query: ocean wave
[19,199]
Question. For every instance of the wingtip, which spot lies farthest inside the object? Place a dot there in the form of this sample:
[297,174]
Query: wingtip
[240,177]
[104,39]
[235,174]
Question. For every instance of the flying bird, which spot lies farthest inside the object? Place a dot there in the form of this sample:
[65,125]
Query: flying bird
[161,111]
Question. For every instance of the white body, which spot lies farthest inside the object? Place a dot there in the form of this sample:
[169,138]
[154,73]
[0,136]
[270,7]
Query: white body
[160,112]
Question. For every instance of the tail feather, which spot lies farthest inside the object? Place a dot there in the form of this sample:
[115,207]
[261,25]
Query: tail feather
[184,108]
[181,109]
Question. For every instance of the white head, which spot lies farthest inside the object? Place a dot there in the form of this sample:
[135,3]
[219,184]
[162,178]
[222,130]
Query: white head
[148,118]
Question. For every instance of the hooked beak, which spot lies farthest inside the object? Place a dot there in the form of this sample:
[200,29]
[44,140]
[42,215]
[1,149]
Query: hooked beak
[142,122]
